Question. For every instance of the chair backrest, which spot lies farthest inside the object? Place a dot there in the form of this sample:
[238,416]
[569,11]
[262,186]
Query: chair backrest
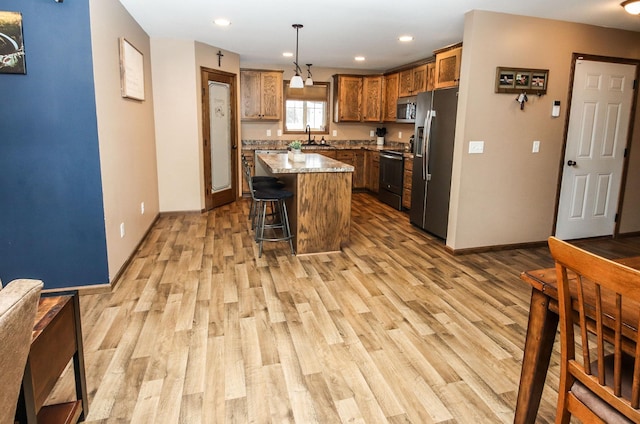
[18,306]
[606,295]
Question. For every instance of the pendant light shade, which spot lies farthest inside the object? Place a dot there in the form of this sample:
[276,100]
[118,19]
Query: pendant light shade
[296,81]
[631,6]
[309,81]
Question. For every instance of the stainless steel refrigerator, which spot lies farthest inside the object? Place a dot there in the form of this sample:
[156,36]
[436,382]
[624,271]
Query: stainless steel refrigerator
[433,159]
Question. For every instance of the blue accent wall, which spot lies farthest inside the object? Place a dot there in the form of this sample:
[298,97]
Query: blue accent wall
[51,211]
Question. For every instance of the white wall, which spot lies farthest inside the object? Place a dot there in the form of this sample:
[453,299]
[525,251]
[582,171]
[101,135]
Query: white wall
[126,134]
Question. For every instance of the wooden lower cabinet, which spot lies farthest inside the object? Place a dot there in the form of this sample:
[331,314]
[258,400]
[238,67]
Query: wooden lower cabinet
[356,159]
[406,185]
[330,153]
[373,171]
[249,157]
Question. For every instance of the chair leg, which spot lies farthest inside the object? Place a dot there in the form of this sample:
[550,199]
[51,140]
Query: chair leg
[287,228]
[261,224]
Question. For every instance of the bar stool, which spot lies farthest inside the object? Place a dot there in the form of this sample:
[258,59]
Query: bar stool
[259,182]
[280,219]
[262,197]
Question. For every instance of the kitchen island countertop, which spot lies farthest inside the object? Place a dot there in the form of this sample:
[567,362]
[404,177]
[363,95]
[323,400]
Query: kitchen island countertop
[279,163]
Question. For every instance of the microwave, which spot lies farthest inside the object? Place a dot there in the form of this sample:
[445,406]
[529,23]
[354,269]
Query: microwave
[406,109]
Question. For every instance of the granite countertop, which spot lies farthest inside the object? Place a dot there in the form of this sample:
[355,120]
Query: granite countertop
[340,145]
[279,163]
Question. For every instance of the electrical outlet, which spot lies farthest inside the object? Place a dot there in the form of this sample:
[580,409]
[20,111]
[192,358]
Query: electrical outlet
[268,133]
[142,208]
[335,133]
[372,133]
[279,133]
[476,147]
[536,146]
[400,134]
[122,230]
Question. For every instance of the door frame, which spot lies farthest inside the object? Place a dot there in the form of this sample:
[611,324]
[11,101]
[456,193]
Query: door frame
[208,74]
[625,164]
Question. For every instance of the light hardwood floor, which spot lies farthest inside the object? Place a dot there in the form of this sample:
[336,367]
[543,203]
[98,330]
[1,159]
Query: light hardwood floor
[393,329]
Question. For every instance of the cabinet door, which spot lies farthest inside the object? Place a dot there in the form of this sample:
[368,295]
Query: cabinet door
[406,184]
[359,177]
[419,79]
[405,84]
[431,76]
[371,98]
[271,95]
[374,172]
[390,96]
[250,94]
[348,99]
[448,68]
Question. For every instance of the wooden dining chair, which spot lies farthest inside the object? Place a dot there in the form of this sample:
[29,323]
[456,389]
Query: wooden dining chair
[603,298]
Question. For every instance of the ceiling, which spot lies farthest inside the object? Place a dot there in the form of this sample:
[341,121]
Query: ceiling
[335,31]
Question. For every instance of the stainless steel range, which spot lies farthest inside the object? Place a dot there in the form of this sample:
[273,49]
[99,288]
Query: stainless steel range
[391,174]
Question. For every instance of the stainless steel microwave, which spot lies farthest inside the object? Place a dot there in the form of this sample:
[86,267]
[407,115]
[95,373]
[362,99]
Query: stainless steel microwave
[406,109]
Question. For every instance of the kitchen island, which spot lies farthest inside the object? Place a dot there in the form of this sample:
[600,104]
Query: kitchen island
[320,209]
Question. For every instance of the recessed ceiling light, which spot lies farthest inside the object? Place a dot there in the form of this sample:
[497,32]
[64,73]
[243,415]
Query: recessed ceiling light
[359,58]
[405,38]
[222,22]
[287,54]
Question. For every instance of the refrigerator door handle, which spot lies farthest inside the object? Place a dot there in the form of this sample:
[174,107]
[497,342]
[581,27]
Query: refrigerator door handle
[426,145]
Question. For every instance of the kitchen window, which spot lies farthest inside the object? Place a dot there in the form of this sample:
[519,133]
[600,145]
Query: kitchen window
[306,106]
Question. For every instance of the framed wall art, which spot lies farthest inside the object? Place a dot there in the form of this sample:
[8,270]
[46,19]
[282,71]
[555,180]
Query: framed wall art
[518,80]
[131,71]
[12,60]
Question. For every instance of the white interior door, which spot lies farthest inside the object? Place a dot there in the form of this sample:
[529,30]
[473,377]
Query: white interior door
[594,156]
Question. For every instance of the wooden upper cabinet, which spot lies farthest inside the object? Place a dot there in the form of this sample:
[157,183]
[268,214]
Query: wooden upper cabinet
[347,97]
[372,98]
[261,94]
[405,83]
[420,79]
[390,96]
[447,73]
[431,76]
[413,81]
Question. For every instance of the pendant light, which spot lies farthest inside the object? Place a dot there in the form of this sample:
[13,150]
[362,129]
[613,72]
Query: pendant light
[309,81]
[631,6]
[296,81]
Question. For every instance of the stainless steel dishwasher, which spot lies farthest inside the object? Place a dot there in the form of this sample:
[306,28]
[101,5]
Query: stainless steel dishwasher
[391,176]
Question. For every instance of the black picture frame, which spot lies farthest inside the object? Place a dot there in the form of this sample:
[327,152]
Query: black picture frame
[12,56]
[517,80]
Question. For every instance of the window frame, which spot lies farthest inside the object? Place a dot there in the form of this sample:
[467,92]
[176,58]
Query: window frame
[327,115]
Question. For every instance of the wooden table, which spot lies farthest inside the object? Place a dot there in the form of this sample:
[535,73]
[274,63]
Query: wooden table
[56,340]
[541,332]
[320,210]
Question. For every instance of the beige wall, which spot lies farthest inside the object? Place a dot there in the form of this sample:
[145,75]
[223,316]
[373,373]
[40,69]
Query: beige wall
[125,133]
[176,114]
[346,131]
[507,195]
[176,86]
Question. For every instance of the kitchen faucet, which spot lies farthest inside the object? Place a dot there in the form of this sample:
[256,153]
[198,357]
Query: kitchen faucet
[308,131]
